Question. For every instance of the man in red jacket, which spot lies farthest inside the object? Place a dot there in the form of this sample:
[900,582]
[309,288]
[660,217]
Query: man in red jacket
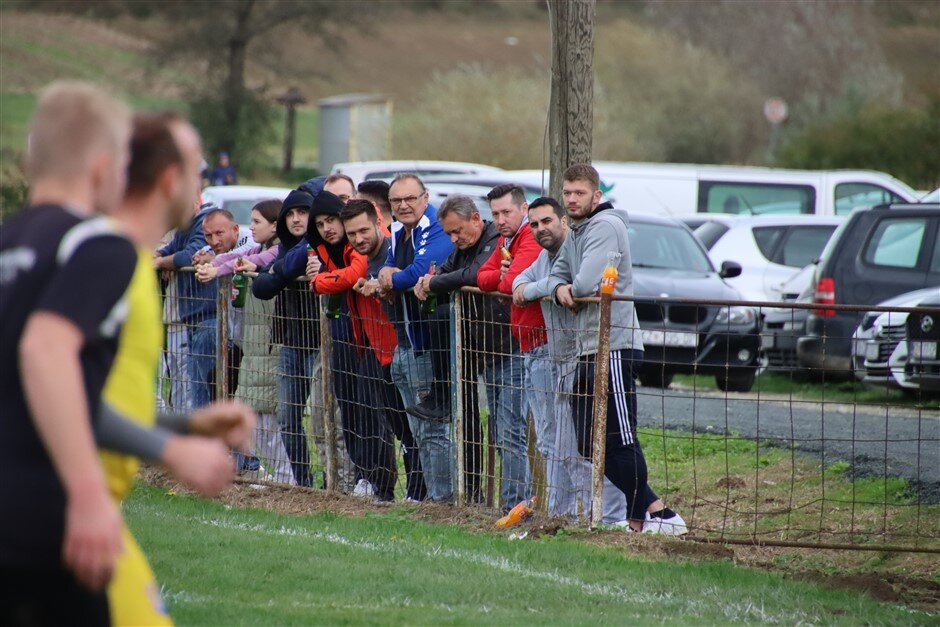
[375,340]
[517,249]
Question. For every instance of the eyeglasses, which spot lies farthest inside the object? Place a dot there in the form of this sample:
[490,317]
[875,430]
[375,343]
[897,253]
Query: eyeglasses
[406,200]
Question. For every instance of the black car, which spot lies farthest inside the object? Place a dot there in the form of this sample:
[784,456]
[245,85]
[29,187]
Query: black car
[669,262]
[875,254]
[923,346]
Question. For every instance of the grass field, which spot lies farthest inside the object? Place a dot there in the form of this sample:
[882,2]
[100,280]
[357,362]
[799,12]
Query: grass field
[224,565]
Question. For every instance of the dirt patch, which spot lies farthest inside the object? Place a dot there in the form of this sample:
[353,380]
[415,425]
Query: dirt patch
[731,482]
[908,578]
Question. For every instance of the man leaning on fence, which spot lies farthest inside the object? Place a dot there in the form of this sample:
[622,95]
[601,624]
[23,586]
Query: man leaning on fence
[197,303]
[599,235]
[375,339]
[485,329]
[417,241]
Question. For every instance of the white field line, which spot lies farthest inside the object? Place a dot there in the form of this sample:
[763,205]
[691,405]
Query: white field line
[744,611]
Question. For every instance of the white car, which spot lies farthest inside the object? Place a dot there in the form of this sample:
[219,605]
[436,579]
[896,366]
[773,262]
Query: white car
[360,171]
[239,199]
[879,348]
[770,249]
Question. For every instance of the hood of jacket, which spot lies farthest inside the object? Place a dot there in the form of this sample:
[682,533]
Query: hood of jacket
[296,198]
[328,204]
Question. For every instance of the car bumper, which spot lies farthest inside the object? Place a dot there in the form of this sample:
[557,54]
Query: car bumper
[818,354]
[714,355]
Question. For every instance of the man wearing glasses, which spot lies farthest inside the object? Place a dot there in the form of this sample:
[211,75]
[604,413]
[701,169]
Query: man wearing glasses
[417,241]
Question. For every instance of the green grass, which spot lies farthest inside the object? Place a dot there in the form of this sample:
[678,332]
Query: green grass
[219,565]
[835,391]
[734,487]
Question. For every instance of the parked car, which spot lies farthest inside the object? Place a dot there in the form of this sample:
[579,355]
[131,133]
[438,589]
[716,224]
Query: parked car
[781,329]
[676,190]
[770,249]
[678,338]
[878,338]
[360,171]
[874,255]
[695,220]
[923,343]
[239,199]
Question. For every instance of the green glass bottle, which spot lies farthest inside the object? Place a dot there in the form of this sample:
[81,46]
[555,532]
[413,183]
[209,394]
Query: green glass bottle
[239,288]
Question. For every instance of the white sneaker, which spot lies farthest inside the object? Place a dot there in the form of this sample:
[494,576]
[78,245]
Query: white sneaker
[364,489]
[674,526]
[411,501]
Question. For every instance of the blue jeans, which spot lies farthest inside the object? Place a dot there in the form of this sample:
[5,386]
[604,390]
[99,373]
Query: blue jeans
[413,376]
[540,382]
[202,346]
[503,378]
[295,368]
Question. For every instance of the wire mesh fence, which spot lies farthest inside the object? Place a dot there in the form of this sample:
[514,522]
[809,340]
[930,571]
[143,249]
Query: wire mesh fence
[751,420]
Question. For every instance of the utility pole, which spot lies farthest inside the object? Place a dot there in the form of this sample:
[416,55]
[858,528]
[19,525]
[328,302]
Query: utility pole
[571,110]
[290,100]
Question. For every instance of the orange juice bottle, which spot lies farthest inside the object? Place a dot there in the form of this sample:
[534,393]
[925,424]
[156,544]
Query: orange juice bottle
[609,278]
[521,512]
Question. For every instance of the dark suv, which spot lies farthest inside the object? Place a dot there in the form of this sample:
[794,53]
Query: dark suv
[669,262]
[876,254]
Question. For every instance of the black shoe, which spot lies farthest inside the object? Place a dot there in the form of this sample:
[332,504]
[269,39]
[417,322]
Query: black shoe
[430,411]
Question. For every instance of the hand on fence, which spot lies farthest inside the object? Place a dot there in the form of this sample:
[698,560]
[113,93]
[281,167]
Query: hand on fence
[565,298]
[313,265]
[206,273]
[231,421]
[517,298]
[243,265]
[203,464]
[422,287]
[203,257]
[385,277]
[92,541]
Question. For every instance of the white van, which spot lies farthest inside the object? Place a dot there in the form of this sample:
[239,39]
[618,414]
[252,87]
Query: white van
[681,189]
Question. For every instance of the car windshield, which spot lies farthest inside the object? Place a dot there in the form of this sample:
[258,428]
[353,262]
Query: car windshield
[667,247]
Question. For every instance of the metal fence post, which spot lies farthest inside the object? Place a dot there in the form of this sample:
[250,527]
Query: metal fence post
[329,411]
[224,298]
[599,440]
[457,370]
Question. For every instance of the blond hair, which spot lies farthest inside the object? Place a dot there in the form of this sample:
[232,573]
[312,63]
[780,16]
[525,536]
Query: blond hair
[73,123]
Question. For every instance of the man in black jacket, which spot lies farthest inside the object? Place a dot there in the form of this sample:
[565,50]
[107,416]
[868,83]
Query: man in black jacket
[485,328]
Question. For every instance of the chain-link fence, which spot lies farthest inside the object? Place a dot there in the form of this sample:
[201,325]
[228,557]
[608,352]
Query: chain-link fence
[750,420]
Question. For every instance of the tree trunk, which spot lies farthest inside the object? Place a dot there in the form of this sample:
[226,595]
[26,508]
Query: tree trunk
[571,112]
[235,81]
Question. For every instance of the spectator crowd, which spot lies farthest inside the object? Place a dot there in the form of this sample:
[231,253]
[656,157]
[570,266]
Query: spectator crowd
[387,265]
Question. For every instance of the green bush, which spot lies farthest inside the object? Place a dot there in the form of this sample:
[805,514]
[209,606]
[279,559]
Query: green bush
[901,142]
[254,131]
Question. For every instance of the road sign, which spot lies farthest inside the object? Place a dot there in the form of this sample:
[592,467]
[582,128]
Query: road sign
[775,110]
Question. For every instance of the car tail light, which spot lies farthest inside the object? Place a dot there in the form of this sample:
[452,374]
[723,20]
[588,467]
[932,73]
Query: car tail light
[825,295]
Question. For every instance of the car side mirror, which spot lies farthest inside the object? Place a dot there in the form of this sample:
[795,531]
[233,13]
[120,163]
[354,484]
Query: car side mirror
[729,269]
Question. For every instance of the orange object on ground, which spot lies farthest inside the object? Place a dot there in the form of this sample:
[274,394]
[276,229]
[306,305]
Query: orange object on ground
[521,512]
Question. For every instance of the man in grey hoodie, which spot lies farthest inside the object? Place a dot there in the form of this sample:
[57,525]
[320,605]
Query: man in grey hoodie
[599,237]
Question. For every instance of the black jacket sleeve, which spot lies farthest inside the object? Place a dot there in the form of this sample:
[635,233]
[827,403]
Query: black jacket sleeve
[455,275]
[267,284]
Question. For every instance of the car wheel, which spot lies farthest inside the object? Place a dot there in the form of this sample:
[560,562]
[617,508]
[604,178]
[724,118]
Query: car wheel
[736,380]
[656,379]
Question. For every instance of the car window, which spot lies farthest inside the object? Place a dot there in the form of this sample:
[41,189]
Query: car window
[710,232]
[896,242]
[848,196]
[667,247]
[755,198]
[803,245]
[767,239]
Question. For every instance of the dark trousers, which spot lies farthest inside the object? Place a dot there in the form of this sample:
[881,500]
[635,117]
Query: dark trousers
[625,464]
[388,420]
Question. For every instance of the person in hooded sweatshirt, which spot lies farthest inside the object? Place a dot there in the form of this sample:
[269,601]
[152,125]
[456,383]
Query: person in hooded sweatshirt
[599,236]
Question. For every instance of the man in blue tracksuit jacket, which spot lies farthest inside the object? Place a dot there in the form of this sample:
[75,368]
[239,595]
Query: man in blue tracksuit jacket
[417,240]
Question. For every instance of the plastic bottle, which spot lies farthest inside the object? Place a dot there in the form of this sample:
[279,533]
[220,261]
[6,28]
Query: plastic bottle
[609,278]
[239,288]
[520,513]
[429,305]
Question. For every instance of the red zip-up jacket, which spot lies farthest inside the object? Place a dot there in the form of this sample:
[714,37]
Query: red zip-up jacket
[528,325]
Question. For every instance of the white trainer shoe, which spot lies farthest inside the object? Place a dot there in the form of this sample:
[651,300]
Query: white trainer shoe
[364,489]
[673,526]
